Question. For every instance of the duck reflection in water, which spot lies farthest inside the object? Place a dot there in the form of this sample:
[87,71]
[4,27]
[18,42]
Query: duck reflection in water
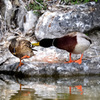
[25,94]
[29,93]
[78,87]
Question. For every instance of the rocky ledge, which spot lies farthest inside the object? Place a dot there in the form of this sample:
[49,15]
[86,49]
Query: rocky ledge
[50,61]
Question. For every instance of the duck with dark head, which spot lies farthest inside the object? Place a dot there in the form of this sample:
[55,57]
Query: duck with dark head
[74,42]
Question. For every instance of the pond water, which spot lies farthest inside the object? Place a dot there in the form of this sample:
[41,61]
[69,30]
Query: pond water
[48,88]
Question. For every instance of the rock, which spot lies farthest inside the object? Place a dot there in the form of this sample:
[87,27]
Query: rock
[17,18]
[24,20]
[30,22]
[16,2]
[91,66]
[50,61]
[83,18]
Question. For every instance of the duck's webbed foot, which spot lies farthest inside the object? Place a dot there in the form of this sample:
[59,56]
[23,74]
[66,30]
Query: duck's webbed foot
[79,61]
[20,64]
[70,60]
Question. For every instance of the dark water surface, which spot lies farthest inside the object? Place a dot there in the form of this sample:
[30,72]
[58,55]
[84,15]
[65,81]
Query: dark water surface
[33,88]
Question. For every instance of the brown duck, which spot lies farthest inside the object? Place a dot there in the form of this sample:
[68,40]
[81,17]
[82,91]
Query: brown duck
[21,49]
[74,42]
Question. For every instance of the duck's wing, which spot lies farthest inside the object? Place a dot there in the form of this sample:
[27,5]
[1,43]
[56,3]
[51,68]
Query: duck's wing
[72,34]
[86,37]
[79,34]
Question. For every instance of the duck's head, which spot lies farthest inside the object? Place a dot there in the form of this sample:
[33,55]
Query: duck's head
[14,42]
[44,43]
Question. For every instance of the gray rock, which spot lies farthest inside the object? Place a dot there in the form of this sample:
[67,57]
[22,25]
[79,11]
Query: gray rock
[17,17]
[83,18]
[50,61]
[45,69]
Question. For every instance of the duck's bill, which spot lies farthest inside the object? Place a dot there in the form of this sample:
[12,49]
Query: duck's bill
[34,49]
[36,44]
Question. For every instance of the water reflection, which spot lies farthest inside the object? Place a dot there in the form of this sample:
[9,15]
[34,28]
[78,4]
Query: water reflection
[79,88]
[69,88]
[26,94]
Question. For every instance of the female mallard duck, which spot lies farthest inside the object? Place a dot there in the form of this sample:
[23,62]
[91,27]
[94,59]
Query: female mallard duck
[74,42]
[21,49]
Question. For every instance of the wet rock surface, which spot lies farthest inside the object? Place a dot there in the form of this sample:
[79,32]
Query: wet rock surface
[45,69]
[48,88]
[68,81]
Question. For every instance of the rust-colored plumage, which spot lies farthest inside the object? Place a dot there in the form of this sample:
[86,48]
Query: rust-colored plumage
[66,43]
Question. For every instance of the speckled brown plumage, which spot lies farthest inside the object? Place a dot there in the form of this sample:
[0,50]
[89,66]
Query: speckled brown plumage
[21,49]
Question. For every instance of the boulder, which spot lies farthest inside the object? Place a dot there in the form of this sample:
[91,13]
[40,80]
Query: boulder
[83,18]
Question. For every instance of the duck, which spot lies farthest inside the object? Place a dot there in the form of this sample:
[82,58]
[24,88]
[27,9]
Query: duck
[73,42]
[21,48]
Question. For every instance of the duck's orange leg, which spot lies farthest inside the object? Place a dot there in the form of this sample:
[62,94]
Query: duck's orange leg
[79,87]
[25,57]
[70,60]
[20,86]
[20,64]
[79,61]
[70,89]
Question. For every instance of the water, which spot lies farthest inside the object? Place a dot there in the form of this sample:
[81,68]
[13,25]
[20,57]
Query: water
[34,88]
